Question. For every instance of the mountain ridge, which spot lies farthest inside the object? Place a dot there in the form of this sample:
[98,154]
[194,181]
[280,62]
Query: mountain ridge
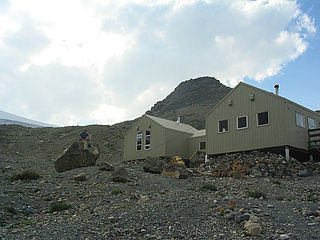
[191,100]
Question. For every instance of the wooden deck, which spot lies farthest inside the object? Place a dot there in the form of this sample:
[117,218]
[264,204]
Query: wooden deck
[314,139]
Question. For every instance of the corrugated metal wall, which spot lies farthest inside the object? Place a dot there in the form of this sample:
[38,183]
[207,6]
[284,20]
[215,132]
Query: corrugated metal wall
[177,143]
[298,136]
[194,144]
[253,137]
[245,101]
[157,146]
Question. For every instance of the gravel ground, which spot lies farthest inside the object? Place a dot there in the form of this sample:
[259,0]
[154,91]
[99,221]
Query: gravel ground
[151,206]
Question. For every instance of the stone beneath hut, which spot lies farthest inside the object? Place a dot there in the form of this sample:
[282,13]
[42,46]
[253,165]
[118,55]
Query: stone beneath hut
[258,164]
[75,157]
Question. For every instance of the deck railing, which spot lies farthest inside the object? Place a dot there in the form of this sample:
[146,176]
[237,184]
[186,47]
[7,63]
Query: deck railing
[314,139]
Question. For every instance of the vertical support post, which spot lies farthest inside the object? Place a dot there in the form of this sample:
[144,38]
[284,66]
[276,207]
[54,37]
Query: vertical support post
[287,153]
[311,157]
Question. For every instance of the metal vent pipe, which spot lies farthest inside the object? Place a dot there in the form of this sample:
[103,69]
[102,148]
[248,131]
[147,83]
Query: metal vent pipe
[276,89]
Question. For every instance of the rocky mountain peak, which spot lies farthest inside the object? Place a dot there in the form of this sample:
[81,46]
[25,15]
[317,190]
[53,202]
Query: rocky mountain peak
[191,100]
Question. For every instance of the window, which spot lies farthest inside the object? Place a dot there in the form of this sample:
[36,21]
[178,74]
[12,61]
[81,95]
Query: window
[242,122]
[300,120]
[147,140]
[311,123]
[202,145]
[263,118]
[223,126]
[139,141]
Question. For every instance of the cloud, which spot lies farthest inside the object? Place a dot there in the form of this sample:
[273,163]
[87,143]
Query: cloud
[230,40]
[81,62]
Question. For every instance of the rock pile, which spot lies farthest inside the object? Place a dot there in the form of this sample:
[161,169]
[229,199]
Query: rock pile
[258,164]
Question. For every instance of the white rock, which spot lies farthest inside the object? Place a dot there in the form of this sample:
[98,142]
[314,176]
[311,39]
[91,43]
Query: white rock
[284,236]
[312,224]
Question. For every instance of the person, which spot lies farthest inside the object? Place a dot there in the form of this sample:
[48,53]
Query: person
[85,138]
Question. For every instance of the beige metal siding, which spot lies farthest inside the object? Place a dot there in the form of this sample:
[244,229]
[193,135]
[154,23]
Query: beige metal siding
[157,146]
[177,143]
[253,137]
[298,136]
[194,143]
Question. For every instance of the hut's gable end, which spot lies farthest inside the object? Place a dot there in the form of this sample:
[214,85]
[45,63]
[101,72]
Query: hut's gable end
[145,138]
[247,118]
[157,137]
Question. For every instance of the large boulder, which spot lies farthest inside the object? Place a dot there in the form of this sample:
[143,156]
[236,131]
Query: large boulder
[154,165]
[75,157]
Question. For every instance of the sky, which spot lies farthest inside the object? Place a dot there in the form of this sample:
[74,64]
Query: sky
[81,62]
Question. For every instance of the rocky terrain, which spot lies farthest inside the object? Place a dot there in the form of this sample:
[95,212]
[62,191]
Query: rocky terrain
[191,100]
[237,196]
[147,206]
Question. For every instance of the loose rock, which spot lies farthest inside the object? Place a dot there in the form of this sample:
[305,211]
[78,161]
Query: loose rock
[154,165]
[75,157]
[80,177]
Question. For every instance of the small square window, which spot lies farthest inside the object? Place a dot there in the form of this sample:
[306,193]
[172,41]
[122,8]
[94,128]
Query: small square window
[242,122]
[263,118]
[202,145]
[223,126]
[300,120]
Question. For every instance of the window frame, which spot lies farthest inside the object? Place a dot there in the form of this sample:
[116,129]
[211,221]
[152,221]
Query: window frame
[147,146]
[314,121]
[247,123]
[303,120]
[227,126]
[137,137]
[257,119]
[205,145]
